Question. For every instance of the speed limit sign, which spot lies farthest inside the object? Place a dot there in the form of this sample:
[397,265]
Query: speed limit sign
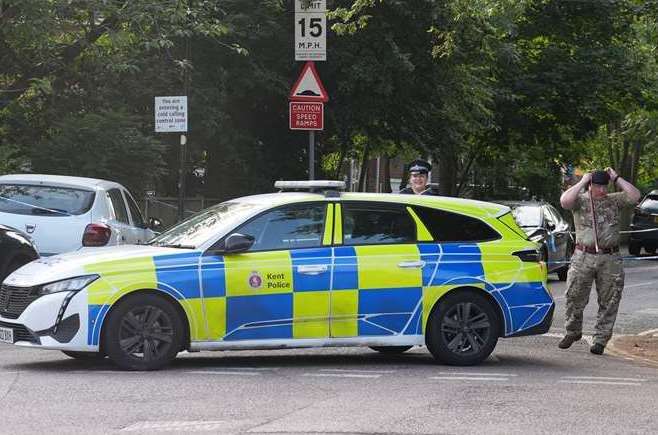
[310,30]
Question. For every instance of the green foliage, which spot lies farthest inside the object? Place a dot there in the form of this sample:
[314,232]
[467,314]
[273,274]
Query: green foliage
[500,93]
[109,145]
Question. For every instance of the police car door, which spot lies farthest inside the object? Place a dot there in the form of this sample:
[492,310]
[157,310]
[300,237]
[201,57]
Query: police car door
[279,288]
[377,283]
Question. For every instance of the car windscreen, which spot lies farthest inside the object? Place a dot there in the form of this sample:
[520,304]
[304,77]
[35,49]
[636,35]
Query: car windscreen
[650,204]
[204,225]
[527,216]
[44,200]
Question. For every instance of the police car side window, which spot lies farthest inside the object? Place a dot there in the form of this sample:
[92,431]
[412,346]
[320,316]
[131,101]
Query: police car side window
[377,225]
[298,226]
[452,227]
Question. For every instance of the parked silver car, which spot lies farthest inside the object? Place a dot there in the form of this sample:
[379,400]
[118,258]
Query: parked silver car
[544,224]
[63,214]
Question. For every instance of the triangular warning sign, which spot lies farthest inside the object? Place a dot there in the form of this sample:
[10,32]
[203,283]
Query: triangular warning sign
[308,86]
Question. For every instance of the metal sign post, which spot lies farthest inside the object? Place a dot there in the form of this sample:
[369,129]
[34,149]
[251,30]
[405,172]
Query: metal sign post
[171,116]
[311,155]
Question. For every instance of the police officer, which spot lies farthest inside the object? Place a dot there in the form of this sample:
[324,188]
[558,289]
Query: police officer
[418,173]
[596,257]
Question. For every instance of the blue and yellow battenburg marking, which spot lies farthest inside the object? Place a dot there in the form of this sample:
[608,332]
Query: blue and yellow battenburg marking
[325,292]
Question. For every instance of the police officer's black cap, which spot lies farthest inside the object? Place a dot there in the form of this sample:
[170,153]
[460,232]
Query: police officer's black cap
[419,167]
[600,177]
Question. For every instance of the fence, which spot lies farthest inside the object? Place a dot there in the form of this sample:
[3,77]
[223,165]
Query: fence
[166,208]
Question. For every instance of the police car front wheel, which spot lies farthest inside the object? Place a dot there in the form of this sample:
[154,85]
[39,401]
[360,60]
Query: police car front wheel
[463,329]
[144,332]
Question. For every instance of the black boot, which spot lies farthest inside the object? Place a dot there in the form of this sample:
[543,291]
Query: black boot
[568,340]
[597,349]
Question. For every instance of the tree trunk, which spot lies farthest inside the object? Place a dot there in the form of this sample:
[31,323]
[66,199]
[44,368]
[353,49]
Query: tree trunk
[364,168]
[386,179]
[447,174]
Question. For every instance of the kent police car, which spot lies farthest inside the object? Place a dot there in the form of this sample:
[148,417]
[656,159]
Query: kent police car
[287,270]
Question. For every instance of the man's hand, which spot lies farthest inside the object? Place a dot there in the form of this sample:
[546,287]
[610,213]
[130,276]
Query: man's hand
[587,178]
[611,172]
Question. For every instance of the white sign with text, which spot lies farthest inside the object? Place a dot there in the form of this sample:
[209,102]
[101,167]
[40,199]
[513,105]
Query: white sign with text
[310,30]
[170,114]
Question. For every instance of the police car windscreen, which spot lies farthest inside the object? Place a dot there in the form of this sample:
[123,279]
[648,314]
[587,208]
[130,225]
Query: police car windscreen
[205,224]
[527,216]
[44,200]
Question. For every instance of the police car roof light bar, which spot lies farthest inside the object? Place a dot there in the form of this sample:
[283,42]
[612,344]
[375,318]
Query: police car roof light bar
[310,185]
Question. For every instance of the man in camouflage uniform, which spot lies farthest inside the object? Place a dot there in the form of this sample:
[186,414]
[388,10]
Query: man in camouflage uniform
[596,257]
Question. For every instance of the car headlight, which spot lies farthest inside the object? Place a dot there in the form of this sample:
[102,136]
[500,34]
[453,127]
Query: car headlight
[70,284]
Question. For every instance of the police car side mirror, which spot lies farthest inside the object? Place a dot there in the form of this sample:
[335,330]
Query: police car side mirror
[237,242]
[550,226]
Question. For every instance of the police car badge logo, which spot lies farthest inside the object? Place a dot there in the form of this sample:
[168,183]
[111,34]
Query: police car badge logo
[255,281]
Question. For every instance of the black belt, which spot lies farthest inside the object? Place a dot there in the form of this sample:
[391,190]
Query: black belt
[592,250]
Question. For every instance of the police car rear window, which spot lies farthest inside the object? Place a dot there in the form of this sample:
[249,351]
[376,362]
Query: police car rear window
[452,227]
[44,200]
[365,224]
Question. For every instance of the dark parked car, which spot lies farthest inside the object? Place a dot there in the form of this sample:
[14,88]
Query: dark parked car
[544,224]
[16,249]
[645,218]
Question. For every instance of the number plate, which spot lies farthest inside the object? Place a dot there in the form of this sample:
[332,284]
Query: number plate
[7,335]
[656,219]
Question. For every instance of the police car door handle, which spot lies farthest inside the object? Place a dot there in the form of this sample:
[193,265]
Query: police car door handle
[411,264]
[315,269]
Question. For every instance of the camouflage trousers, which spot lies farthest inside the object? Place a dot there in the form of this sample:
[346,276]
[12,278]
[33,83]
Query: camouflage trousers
[607,270]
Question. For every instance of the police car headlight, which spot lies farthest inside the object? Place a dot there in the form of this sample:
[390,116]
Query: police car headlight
[71,284]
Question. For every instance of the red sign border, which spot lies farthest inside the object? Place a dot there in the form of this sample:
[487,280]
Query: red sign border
[323,98]
[302,129]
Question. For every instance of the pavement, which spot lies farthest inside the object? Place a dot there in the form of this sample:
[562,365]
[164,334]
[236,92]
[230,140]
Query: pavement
[640,348]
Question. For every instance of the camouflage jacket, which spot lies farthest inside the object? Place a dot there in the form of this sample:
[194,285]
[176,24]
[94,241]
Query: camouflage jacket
[608,210]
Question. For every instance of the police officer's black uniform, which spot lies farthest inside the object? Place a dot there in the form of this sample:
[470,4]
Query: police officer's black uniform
[418,167]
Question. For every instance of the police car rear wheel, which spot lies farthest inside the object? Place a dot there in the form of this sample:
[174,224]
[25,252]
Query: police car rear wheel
[463,329]
[391,349]
[144,332]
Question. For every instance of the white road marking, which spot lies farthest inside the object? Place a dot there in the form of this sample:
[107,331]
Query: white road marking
[635,384]
[340,375]
[588,338]
[641,284]
[604,378]
[468,378]
[648,332]
[218,372]
[252,368]
[357,371]
[477,374]
[182,426]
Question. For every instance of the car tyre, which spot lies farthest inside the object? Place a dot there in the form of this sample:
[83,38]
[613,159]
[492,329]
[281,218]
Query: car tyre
[143,332]
[390,350]
[88,356]
[11,267]
[634,247]
[650,251]
[463,329]
[562,273]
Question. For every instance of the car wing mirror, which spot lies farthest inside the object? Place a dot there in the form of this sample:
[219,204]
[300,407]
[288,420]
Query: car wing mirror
[550,226]
[155,224]
[234,243]
[537,234]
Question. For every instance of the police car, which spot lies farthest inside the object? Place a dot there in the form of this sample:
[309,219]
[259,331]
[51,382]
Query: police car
[310,268]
